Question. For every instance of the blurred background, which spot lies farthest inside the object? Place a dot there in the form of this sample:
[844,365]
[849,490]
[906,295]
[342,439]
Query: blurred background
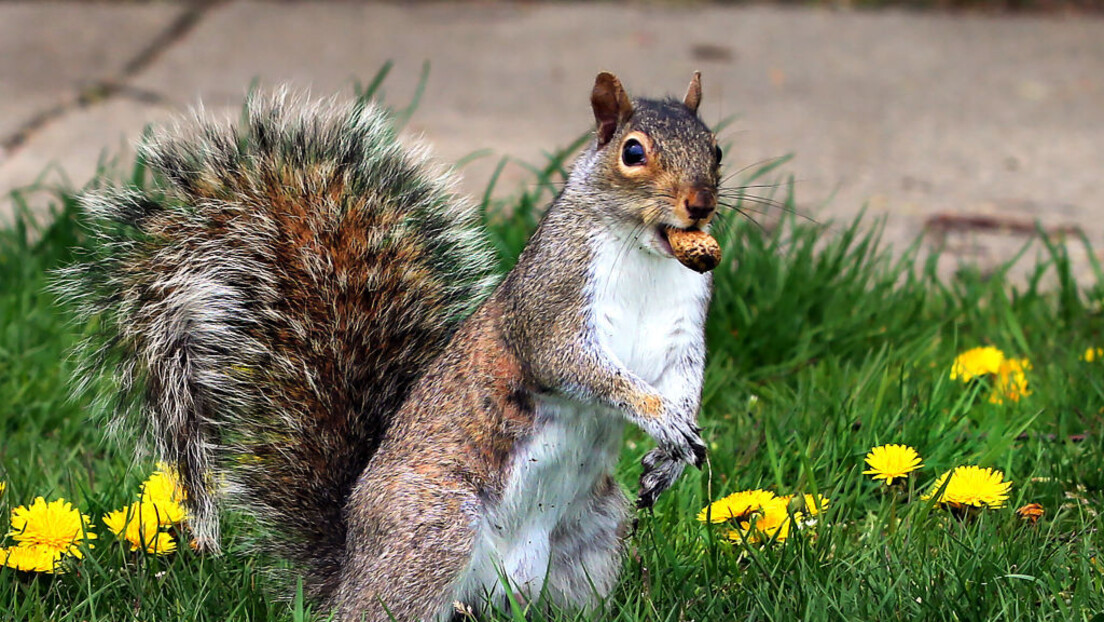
[965,120]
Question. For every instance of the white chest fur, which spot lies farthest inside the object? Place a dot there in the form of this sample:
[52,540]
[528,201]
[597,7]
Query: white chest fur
[647,312]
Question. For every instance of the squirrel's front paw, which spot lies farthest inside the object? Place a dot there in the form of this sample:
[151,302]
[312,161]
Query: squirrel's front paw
[680,444]
[660,472]
[672,426]
[680,438]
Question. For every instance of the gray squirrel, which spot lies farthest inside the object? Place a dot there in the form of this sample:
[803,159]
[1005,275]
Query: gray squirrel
[304,315]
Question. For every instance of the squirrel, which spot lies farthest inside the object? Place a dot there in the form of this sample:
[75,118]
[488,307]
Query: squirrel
[303,315]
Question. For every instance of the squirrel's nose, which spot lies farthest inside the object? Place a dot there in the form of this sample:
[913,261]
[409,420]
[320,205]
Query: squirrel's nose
[700,203]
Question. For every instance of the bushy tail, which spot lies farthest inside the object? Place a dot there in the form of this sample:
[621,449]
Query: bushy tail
[267,305]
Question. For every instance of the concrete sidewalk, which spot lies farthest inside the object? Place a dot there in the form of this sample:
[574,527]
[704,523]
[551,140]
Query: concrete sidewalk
[962,123]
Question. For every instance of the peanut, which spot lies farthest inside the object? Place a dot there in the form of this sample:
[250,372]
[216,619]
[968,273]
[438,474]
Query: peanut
[696,250]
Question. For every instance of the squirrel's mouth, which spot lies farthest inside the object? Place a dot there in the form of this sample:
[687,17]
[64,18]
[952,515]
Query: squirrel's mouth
[663,243]
[663,240]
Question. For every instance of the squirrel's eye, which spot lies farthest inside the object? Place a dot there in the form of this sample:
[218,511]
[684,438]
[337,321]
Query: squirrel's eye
[632,154]
[718,152]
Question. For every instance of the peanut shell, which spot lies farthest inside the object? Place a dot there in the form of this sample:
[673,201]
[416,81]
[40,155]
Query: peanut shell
[696,250]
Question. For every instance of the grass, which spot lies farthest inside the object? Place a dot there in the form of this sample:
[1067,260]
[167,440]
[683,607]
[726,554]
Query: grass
[822,344]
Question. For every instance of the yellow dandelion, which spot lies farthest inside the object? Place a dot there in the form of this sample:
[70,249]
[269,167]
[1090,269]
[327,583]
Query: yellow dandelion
[890,462]
[1092,354]
[163,485]
[169,512]
[735,506]
[161,543]
[163,490]
[772,521]
[31,558]
[1011,381]
[56,525]
[971,486]
[139,524]
[976,362]
[814,505]
[809,505]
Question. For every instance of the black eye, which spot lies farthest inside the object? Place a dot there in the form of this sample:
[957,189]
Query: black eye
[632,154]
[718,152]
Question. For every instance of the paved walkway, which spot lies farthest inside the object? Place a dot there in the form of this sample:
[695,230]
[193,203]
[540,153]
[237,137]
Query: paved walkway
[973,126]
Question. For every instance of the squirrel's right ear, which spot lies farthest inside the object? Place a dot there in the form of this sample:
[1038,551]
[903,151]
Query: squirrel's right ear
[693,93]
[611,106]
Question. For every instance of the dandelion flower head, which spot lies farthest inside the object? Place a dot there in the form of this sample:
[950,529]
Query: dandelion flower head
[163,485]
[810,505]
[890,462]
[164,492]
[139,524]
[815,504]
[1011,381]
[975,362]
[56,525]
[772,521]
[31,558]
[736,506]
[971,486]
[1092,354]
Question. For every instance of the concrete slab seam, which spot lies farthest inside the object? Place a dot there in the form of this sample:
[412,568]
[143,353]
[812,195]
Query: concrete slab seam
[116,86]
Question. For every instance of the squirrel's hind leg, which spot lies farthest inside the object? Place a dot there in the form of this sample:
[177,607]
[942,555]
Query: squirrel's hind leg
[587,550]
[410,540]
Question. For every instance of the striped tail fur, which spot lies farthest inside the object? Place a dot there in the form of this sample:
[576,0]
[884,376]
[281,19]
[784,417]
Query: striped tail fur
[267,303]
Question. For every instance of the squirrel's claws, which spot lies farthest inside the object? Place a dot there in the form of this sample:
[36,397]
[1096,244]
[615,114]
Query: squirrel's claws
[661,469]
[697,447]
[699,454]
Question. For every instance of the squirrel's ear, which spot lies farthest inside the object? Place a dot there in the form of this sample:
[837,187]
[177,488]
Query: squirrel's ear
[693,94]
[611,105]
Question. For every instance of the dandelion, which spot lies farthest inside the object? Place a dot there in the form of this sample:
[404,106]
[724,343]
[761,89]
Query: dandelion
[163,543]
[164,492]
[736,506]
[761,516]
[976,362]
[1092,354]
[814,505]
[31,558]
[771,521]
[809,504]
[1011,381]
[55,526]
[159,504]
[139,524]
[971,486]
[890,462]
[163,485]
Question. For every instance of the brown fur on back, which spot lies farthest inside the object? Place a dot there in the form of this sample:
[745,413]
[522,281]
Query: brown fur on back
[439,468]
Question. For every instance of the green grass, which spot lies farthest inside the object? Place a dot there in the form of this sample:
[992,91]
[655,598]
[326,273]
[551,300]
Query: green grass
[822,344]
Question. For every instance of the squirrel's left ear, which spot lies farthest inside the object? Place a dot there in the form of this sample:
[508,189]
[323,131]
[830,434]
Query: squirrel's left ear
[693,94]
[611,105]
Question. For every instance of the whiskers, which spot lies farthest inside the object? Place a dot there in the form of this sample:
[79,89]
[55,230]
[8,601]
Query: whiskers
[757,199]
